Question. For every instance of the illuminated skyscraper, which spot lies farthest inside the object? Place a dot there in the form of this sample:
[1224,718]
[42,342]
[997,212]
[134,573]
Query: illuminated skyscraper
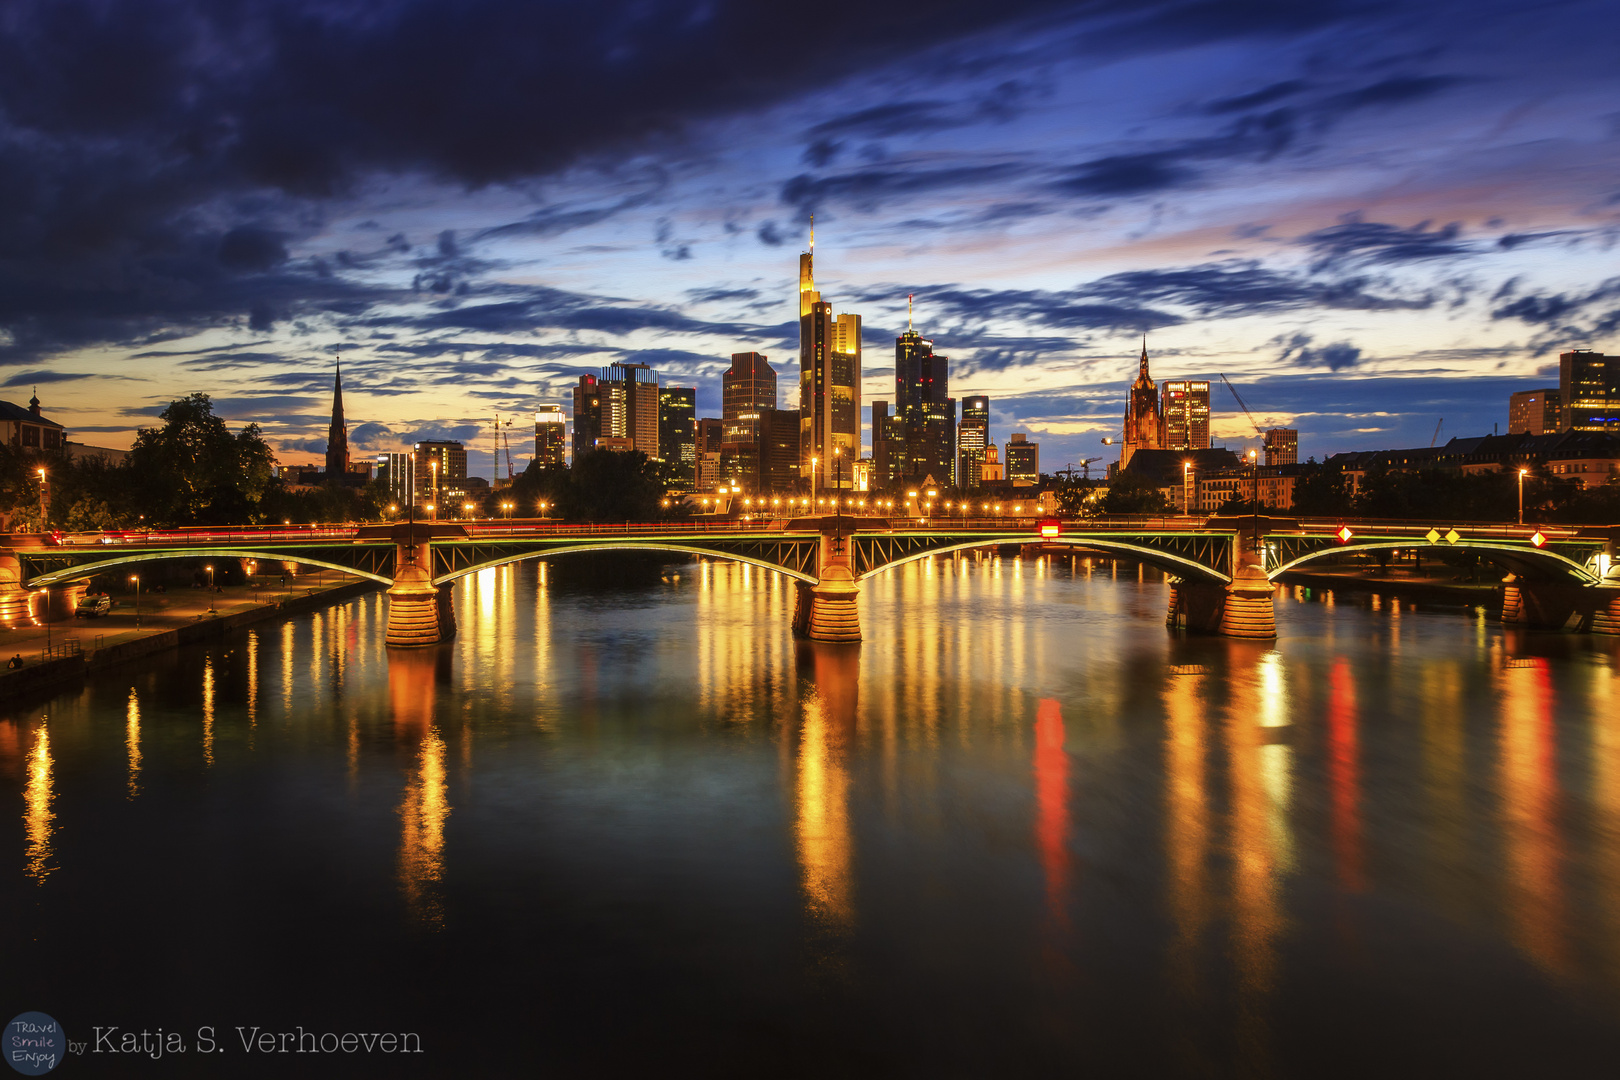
[972,437]
[829,383]
[748,388]
[550,436]
[1023,461]
[925,408]
[1535,412]
[1185,407]
[1589,391]
[451,458]
[629,394]
[677,434]
[587,415]
[1282,446]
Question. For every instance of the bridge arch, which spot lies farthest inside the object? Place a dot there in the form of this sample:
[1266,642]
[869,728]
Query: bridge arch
[684,549]
[1519,559]
[1183,568]
[90,569]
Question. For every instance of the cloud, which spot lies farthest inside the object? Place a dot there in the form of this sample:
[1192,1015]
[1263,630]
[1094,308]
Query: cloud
[1356,241]
[1298,349]
[868,189]
[1256,98]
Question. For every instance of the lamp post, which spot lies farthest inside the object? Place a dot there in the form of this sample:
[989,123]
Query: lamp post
[434,467]
[1186,489]
[1254,462]
[814,461]
[41,499]
[1521,495]
[210,570]
[838,479]
[47,618]
[136,578]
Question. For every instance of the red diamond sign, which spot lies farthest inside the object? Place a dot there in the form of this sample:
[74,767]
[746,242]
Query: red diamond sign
[1344,534]
[1538,539]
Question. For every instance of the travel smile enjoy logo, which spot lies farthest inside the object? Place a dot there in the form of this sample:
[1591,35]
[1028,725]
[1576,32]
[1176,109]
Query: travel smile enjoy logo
[34,1043]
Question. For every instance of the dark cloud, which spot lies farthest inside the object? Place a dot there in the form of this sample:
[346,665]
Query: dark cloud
[1299,349]
[1126,174]
[1568,319]
[1255,99]
[1399,90]
[867,189]
[32,378]
[769,234]
[1257,137]
[1356,241]
[718,295]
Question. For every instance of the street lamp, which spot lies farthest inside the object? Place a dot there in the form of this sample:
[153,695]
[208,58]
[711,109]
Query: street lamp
[1254,462]
[838,480]
[136,578]
[1186,488]
[1521,495]
[433,466]
[41,498]
[210,570]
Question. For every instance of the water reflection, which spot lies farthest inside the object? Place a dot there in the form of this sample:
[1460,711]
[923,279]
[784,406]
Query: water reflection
[1052,808]
[1344,776]
[1186,824]
[1529,786]
[208,708]
[425,807]
[132,741]
[39,816]
[822,827]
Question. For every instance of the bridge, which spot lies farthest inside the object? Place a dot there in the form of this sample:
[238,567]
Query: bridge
[1222,580]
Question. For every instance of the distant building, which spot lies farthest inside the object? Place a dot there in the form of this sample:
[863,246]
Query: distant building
[80,452]
[1535,412]
[1588,391]
[890,461]
[397,474]
[926,411]
[629,406]
[991,472]
[829,381]
[450,457]
[1144,427]
[587,415]
[780,439]
[747,388]
[1023,461]
[1185,406]
[28,428]
[1591,457]
[550,437]
[1282,446]
[677,434]
[972,439]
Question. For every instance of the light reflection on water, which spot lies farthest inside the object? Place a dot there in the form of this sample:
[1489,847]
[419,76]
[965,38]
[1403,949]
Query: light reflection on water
[1020,805]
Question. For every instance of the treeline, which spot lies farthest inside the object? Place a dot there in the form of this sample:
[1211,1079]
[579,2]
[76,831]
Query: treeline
[1450,495]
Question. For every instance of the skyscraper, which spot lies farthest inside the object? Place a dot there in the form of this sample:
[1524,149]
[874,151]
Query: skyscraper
[550,436]
[972,437]
[587,415]
[337,435]
[677,434]
[1535,412]
[1589,390]
[1185,408]
[629,395]
[1143,425]
[925,408]
[1023,461]
[747,388]
[890,460]
[829,383]
[397,474]
[451,458]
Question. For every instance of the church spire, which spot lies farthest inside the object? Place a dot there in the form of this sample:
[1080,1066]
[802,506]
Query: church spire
[337,435]
[1144,369]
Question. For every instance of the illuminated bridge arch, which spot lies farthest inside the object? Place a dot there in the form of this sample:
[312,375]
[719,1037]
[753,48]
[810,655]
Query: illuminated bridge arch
[796,560]
[382,572]
[1522,559]
[873,557]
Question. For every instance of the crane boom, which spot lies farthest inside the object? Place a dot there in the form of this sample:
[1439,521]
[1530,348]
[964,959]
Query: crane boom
[1436,436]
[1244,407]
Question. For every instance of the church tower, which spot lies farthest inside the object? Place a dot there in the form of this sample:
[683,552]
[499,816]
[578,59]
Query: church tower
[337,436]
[1144,425]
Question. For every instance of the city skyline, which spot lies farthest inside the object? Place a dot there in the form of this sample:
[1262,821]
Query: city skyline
[1368,220]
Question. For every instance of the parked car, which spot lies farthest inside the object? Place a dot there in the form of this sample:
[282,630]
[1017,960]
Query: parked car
[92,605]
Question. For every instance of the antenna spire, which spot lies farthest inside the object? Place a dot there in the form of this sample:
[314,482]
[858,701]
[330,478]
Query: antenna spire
[909,297]
[812,234]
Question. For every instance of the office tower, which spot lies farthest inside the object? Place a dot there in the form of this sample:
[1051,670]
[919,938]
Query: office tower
[972,437]
[629,395]
[890,454]
[1534,412]
[451,457]
[1185,408]
[398,477]
[677,435]
[779,438]
[829,383]
[1282,446]
[550,437]
[1144,428]
[337,435]
[1589,391]
[748,387]
[587,415]
[926,409]
[1023,461]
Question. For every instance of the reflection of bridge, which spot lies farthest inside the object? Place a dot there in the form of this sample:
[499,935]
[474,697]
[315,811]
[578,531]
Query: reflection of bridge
[1219,585]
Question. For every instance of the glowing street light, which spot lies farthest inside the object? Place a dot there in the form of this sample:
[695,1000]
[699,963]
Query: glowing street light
[1521,495]
[136,578]
[210,570]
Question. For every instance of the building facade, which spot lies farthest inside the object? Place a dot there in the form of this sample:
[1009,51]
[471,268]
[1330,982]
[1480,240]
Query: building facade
[587,415]
[1282,446]
[747,388]
[677,435]
[432,482]
[550,437]
[1143,425]
[629,407]
[1535,412]
[972,439]
[397,474]
[1185,408]
[1023,461]
[28,428]
[1588,391]
[829,383]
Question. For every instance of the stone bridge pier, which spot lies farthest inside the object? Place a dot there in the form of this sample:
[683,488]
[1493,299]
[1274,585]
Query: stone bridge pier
[1246,608]
[825,611]
[419,612]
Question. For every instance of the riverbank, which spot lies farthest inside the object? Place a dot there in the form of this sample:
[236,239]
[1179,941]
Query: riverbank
[71,649]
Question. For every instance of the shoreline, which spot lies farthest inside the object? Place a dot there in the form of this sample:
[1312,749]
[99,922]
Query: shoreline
[1431,590]
[48,675]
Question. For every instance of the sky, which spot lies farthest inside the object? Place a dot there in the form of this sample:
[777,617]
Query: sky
[1377,219]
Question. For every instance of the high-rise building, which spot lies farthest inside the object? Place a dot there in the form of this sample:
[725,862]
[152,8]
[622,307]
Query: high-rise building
[550,437]
[1143,425]
[629,394]
[1185,407]
[829,384]
[747,388]
[677,434]
[779,439]
[890,457]
[587,415]
[398,476]
[450,457]
[925,408]
[1023,461]
[1535,412]
[1589,391]
[972,438]
[337,435]
[1282,446]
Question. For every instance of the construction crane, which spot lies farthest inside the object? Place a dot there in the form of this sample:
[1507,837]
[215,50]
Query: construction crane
[1436,437]
[1085,467]
[506,437]
[1265,443]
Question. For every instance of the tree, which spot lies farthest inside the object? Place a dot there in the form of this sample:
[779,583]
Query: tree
[1321,491]
[611,485]
[193,471]
[1132,494]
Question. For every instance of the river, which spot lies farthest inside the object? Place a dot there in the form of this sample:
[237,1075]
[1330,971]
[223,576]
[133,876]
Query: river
[624,822]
